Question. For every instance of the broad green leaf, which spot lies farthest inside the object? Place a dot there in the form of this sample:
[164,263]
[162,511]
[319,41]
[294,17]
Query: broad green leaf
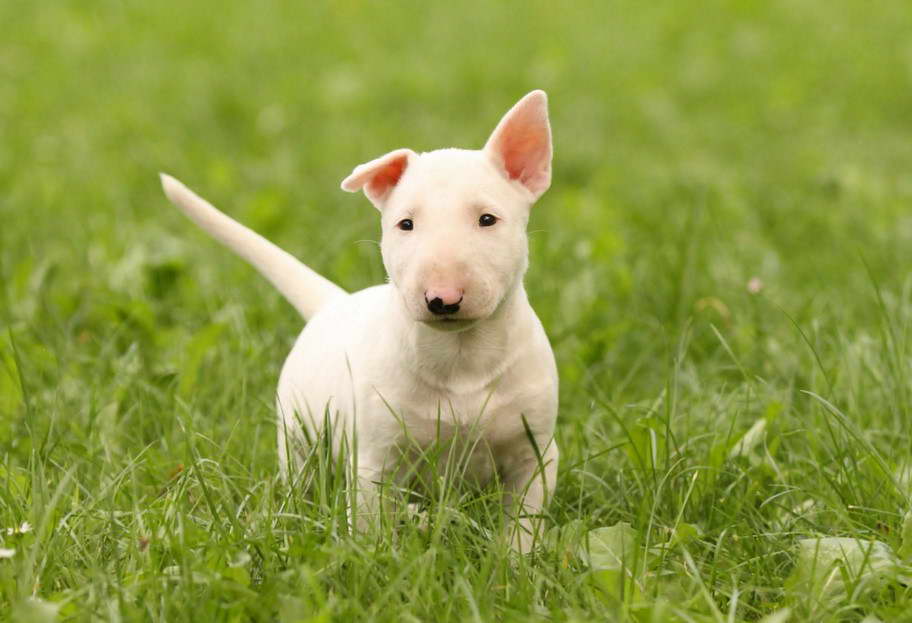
[618,585]
[685,533]
[611,554]
[611,548]
[829,567]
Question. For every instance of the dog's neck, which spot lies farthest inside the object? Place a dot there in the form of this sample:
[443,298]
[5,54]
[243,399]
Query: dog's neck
[469,359]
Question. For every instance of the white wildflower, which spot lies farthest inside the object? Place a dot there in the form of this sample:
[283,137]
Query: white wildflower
[754,285]
[22,529]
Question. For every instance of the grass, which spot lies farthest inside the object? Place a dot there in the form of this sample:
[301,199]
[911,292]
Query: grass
[699,146]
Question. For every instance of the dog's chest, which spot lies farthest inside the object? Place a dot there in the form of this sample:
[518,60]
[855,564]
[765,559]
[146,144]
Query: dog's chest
[478,393]
[425,415]
[449,429]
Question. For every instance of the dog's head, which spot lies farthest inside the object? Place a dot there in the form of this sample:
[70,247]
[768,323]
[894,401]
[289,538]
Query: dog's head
[454,220]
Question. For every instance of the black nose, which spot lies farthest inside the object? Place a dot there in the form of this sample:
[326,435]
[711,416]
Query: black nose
[437,306]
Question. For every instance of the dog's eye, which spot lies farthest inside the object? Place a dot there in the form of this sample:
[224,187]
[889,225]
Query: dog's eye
[406,224]
[486,220]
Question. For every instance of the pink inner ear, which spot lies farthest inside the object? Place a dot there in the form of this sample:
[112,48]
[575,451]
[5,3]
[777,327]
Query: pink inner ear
[523,154]
[522,143]
[378,176]
[385,178]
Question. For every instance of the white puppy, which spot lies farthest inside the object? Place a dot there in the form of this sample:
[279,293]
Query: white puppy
[450,348]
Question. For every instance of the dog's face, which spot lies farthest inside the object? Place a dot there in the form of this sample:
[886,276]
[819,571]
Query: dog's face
[454,220]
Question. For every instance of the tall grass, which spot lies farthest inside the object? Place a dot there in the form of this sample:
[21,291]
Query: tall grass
[721,265]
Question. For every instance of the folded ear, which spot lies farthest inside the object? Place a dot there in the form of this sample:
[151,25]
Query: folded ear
[378,177]
[521,143]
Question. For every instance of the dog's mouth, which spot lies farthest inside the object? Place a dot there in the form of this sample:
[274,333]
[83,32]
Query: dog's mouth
[449,323]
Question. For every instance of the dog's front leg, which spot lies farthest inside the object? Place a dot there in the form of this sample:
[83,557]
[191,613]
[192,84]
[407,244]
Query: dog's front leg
[528,484]
[364,511]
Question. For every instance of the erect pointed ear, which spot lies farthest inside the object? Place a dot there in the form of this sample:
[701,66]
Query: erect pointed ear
[521,143]
[378,177]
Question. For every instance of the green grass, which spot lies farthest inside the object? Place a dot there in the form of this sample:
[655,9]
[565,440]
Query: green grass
[698,146]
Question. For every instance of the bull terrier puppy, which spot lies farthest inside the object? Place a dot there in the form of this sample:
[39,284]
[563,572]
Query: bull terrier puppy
[448,348]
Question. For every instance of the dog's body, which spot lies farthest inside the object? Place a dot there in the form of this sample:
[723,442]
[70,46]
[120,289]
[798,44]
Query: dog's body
[451,348]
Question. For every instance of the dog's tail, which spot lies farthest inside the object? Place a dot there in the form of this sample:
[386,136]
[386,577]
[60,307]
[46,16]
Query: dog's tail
[303,287]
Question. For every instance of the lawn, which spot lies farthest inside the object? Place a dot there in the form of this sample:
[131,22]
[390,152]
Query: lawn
[722,265]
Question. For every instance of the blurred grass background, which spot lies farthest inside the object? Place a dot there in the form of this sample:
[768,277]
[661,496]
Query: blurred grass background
[698,146]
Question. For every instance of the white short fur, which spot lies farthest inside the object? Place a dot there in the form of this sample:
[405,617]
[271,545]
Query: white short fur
[389,370]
